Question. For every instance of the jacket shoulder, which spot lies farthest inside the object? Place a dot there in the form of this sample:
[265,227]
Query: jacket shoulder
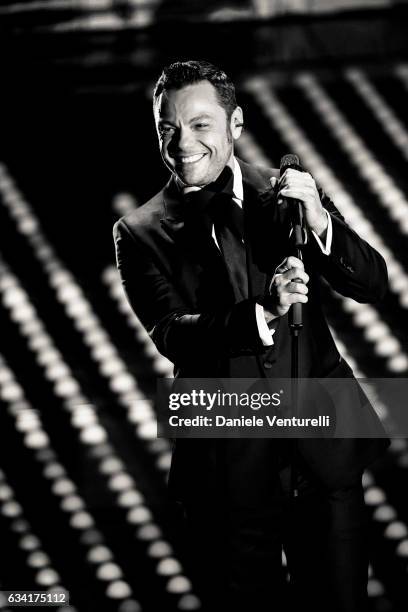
[258,175]
[145,216]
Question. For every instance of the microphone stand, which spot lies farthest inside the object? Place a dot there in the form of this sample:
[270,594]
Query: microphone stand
[298,239]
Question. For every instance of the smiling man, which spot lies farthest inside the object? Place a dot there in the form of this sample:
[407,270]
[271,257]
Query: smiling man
[196,131]
[207,266]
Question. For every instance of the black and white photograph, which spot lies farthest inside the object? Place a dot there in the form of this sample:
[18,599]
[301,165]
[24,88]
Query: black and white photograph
[203,305]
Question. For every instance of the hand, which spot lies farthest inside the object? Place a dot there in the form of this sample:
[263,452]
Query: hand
[301,186]
[285,288]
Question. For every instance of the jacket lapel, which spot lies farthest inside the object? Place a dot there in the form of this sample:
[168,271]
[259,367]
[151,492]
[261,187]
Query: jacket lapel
[186,225]
[197,263]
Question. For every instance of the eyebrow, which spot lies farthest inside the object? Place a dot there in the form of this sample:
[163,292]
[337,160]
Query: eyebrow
[196,118]
[202,116]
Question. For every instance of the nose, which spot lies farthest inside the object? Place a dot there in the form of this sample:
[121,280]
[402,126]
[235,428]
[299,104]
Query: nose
[185,139]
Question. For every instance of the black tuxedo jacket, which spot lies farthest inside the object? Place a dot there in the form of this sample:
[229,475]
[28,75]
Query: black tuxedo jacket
[177,283]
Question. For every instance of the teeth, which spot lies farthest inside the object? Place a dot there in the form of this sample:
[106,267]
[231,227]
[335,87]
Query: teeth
[192,158]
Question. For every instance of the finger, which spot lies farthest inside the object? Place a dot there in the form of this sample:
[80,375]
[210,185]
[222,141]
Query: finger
[283,267]
[297,193]
[301,192]
[292,172]
[293,262]
[294,287]
[295,175]
[292,298]
[290,285]
[299,178]
[278,279]
[294,274]
[295,298]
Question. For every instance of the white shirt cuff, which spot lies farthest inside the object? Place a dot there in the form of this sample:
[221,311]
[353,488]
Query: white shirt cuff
[265,333]
[329,235]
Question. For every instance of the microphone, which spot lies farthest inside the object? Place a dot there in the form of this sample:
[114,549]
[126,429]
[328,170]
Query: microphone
[294,206]
[297,223]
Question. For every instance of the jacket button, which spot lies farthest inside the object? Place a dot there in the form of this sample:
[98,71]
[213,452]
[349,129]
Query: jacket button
[268,364]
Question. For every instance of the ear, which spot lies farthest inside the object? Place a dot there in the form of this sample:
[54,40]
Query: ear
[237,122]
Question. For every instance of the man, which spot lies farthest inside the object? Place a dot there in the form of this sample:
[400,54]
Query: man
[206,266]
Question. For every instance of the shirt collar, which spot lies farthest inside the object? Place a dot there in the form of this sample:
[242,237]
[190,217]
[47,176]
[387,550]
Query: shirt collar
[238,189]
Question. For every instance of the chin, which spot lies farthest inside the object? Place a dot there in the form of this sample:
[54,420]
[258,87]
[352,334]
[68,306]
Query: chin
[191,179]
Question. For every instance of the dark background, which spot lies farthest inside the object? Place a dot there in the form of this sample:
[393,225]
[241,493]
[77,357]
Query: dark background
[76,131]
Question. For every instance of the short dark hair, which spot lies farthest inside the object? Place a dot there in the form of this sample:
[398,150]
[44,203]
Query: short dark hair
[180,74]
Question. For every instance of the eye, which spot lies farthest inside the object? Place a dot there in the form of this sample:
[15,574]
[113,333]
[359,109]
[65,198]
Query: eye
[201,126]
[166,129]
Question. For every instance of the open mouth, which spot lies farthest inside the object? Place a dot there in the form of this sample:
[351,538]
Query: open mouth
[191,159]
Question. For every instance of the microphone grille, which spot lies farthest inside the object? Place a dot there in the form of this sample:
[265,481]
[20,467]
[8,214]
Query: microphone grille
[289,161]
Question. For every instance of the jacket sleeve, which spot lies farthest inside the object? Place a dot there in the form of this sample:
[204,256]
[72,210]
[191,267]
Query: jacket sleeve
[178,330]
[353,268]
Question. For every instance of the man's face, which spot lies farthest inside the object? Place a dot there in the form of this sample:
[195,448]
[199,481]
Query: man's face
[195,137]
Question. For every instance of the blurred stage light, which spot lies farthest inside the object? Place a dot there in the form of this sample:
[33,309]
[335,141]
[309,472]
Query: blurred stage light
[168,567]
[111,366]
[120,482]
[99,554]
[374,588]
[402,549]
[91,537]
[72,503]
[374,496]
[83,416]
[159,549]
[164,461]
[81,520]
[108,572]
[29,542]
[130,498]
[189,602]
[178,584]
[47,577]
[130,605]
[398,364]
[384,513]
[396,531]
[66,386]
[38,559]
[118,590]
[139,515]
[124,203]
[36,439]
[63,486]
[151,531]
[111,465]
[93,434]
[122,383]
[147,430]
[11,509]
[20,526]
